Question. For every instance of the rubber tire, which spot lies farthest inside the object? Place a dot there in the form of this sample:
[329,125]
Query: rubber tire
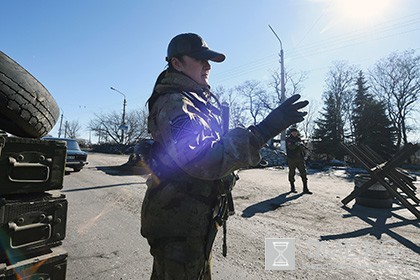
[374,203]
[27,109]
[374,192]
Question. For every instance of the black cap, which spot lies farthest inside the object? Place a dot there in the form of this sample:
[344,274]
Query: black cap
[293,129]
[192,45]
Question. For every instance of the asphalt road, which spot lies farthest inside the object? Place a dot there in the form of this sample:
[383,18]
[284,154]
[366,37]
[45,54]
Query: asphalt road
[103,238]
[333,242]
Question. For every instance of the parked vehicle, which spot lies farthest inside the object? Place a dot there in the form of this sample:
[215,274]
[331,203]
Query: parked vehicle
[76,158]
[140,153]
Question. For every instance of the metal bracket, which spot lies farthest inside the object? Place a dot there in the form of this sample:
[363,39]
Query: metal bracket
[2,142]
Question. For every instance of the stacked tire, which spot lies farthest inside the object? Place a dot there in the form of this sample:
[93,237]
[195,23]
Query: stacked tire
[33,212]
[27,109]
[376,196]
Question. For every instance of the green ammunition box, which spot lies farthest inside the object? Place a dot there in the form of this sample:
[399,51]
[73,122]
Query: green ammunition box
[51,266]
[31,223]
[31,165]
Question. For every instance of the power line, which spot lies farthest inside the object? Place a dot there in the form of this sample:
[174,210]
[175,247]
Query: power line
[348,38]
[322,47]
[297,52]
[314,24]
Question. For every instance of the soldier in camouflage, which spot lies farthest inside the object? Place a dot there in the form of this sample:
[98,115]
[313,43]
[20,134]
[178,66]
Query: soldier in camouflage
[295,150]
[192,159]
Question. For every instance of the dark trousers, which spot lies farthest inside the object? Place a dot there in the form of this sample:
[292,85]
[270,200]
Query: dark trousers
[180,260]
[298,164]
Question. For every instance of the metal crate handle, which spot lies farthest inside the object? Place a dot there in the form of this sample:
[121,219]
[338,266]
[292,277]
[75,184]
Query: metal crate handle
[29,228]
[22,165]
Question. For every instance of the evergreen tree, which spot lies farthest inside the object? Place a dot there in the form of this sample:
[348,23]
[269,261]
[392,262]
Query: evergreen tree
[362,101]
[372,126]
[328,131]
[331,126]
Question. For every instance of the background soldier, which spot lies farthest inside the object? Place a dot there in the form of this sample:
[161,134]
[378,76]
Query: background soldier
[295,150]
[192,160]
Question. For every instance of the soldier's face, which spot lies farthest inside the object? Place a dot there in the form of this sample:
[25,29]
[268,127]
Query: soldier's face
[198,70]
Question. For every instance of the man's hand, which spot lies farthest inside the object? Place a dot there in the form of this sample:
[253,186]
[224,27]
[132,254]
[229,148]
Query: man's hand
[282,117]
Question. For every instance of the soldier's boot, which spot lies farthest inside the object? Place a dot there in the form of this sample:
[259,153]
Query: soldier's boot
[305,188]
[292,187]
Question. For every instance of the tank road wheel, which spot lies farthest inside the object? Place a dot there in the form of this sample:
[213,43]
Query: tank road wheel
[27,109]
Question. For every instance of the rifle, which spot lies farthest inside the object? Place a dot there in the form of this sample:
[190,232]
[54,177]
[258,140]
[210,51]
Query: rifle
[224,206]
[225,127]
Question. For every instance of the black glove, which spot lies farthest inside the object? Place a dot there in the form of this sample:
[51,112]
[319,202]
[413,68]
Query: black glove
[282,117]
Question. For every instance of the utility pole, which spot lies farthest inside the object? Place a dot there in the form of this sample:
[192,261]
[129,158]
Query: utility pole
[283,89]
[123,127]
[61,123]
[100,134]
[66,124]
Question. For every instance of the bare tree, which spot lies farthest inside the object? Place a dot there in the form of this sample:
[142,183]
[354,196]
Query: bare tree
[293,83]
[237,116]
[137,121]
[107,126]
[307,126]
[72,129]
[396,80]
[340,84]
[252,92]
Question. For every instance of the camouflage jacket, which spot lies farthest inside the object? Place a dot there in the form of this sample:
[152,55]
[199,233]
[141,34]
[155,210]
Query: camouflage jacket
[295,149]
[187,125]
[191,159]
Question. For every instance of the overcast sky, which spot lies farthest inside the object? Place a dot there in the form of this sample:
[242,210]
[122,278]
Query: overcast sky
[79,49]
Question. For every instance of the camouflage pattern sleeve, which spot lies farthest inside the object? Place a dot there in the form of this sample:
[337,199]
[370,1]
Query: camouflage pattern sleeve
[193,139]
